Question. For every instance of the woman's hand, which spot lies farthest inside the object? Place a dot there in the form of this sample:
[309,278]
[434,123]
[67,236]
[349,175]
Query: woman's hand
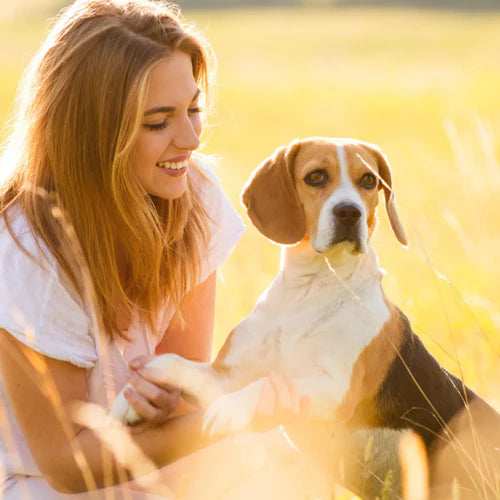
[152,402]
[279,402]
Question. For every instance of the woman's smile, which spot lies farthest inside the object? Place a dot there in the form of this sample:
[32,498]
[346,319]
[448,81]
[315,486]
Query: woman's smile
[175,166]
[171,128]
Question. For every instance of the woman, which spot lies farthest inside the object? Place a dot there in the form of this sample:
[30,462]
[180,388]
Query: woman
[111,234]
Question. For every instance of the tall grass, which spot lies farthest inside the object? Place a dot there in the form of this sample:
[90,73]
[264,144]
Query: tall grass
[422,85]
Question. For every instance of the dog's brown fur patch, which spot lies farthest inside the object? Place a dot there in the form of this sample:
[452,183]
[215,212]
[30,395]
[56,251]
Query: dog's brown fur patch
[469,454]
[371,368]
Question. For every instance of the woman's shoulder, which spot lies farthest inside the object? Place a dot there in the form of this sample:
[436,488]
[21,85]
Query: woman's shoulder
[17,241]
[35,305]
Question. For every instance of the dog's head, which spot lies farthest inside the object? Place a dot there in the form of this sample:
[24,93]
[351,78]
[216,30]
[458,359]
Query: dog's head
[323,189]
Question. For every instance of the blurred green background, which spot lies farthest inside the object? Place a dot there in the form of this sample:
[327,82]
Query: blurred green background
[421,83]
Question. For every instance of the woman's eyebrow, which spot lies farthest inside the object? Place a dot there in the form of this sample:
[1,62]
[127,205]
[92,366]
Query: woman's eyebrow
[168,109]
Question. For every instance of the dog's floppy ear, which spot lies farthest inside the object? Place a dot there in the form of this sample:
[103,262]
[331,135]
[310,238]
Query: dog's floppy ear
[385,183]
[271,199]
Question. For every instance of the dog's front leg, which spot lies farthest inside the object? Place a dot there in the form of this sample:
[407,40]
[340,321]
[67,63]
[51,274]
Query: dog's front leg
[233,411]
[199,382]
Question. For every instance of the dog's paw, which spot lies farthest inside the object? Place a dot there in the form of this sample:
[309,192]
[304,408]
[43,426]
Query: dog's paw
[232,412]
[227,415]
[121,411]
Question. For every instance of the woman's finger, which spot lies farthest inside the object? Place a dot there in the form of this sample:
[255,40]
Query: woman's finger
[157,396]
[267,400]
[286,395]
[152,376]
[139,362]
[294,394]
[142,406]
[305,403]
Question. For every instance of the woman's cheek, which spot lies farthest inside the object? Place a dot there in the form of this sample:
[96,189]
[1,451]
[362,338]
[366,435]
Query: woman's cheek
[197,124]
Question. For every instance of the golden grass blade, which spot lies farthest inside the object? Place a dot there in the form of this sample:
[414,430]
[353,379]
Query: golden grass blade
[414,467]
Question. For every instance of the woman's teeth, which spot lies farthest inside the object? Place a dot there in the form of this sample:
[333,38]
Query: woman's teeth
[172,165]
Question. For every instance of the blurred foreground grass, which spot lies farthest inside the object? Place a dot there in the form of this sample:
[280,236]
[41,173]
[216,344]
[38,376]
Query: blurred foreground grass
[421,84]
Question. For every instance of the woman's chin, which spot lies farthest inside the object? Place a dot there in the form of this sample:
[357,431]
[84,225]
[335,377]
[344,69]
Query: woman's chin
[170,191]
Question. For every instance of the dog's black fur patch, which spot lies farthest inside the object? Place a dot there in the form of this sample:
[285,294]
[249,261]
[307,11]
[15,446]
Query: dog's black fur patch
[417,393]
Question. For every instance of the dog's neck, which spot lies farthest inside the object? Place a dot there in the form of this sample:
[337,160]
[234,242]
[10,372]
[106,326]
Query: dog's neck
[301,264]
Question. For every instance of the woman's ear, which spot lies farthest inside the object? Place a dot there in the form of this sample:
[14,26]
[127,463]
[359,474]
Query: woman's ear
[385,183]
[271,199]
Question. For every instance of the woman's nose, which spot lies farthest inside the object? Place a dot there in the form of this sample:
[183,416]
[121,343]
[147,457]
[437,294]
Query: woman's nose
[188,135]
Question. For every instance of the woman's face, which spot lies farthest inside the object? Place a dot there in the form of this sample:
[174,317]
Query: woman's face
[170,129]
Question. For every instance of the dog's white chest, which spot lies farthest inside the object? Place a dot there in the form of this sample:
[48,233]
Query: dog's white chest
[327,328]
[313,324]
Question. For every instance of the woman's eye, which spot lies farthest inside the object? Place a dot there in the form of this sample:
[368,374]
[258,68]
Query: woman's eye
[368,181]
[195,110]
[316,178]
[156,126]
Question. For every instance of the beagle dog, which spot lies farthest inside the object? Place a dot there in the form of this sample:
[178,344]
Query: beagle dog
[324,321]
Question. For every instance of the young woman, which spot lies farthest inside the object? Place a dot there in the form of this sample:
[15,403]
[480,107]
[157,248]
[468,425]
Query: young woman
[111,231]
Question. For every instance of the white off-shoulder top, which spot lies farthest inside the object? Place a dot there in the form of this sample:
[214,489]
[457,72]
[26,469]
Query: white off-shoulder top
[38,308]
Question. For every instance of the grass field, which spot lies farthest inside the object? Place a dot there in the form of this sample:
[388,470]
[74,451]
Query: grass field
[421,84]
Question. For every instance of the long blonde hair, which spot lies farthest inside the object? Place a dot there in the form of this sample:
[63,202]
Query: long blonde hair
[80,109]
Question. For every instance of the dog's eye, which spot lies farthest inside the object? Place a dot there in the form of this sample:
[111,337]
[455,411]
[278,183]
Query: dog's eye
[368,181]
[316,178]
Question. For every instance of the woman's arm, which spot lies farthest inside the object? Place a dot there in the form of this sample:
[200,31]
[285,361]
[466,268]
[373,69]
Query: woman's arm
[42,391]
[191,340]
[194,340]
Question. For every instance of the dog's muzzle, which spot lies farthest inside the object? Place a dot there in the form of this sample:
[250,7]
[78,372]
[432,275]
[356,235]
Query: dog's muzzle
[347,224]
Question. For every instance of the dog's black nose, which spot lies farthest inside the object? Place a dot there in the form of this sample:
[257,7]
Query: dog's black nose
[347,213]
